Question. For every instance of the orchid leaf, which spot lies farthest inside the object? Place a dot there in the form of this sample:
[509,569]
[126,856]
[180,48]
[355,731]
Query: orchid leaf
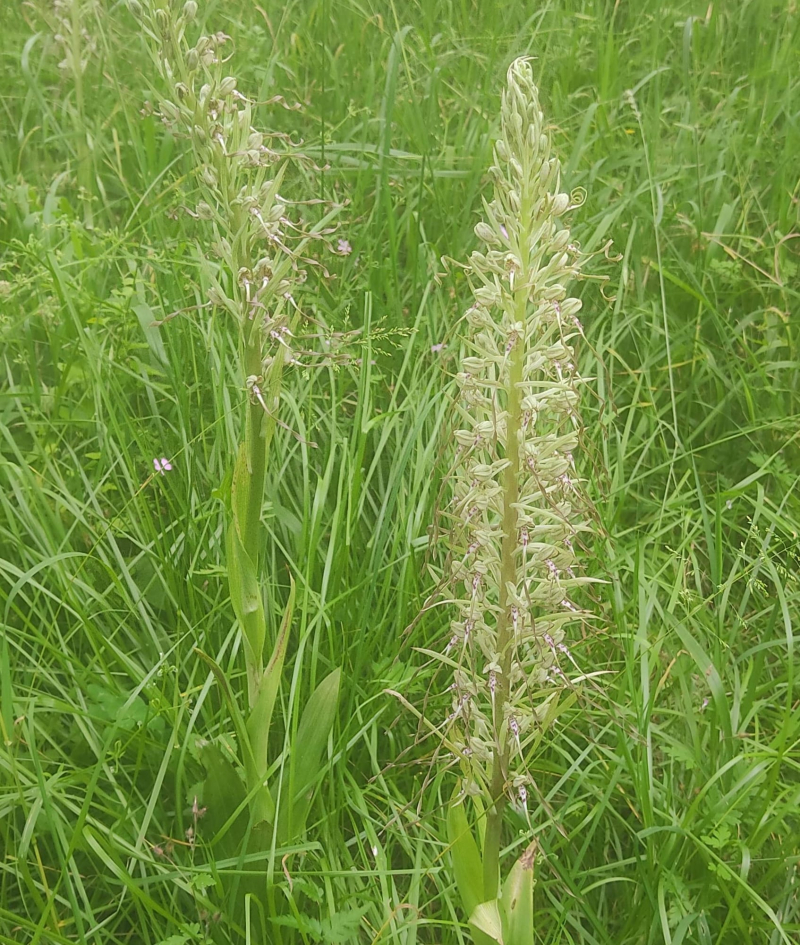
[467,864]
[236,715]
[487,924]
[303,767]
[516,903]
[242,574]
[224,799]
[260,720]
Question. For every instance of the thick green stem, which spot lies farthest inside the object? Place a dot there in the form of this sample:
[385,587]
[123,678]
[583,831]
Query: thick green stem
[505,630]
[508,575]
[255,448]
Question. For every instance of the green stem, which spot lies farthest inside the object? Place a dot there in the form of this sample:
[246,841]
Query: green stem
[256,457]
[505,634]
[255,447]
[259,427]
[508,575]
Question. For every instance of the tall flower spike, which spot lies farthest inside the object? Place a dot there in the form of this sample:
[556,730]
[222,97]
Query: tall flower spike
[516,503]
[259,248]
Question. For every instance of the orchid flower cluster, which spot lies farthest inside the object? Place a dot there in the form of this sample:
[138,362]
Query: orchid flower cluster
[239,186]
[258,246]
[254,277]
[516,504]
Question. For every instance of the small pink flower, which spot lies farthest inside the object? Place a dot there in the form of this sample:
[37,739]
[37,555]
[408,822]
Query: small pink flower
[437,348]
[162,465]
[343,248]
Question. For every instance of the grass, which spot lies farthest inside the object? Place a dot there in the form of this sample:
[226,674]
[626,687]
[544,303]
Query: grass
[667,798]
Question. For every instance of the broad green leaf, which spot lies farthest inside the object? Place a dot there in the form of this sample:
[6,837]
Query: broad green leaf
[467,864]
[242,577]
[485,920]
[258,725]
[126,714]
[516,904]
[236,715]
[302,770]
[240,487]
[224,798]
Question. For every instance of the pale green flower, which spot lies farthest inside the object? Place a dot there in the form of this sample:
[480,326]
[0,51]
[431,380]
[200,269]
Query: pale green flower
[516,496]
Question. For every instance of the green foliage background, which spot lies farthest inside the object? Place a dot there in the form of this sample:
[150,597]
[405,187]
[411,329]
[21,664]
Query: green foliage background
[667,801]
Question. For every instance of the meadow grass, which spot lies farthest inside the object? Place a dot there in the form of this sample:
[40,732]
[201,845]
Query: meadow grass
[666,806]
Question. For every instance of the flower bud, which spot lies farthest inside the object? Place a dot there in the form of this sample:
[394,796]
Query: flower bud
[571,307]
[192,60]
[474,365]
[484,232]
[560,241]
[488,295]
[263,268]
[560,204]
[190,10]
[226,87]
